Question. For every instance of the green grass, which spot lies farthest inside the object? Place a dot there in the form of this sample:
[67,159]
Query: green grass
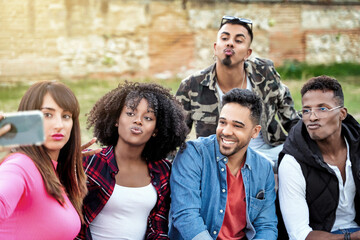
[88,91]
[297,70]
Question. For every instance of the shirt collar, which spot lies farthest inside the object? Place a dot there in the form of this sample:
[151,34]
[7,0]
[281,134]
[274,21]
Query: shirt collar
[219,156]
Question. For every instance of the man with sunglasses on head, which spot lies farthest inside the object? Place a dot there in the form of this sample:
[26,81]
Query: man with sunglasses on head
[319,167]
[201,92]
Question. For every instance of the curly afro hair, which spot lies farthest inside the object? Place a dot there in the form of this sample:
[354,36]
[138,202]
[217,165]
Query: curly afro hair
[170,118]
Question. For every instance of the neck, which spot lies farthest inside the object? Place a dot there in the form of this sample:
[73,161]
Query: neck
[332,145]
[236,161]
[54,155]
[230,77]
[127,154]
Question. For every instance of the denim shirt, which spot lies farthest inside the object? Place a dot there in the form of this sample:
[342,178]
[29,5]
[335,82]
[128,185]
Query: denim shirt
[199,192]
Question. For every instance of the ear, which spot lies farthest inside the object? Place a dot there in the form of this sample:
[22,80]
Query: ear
[249,51]
[256,131]
[214,47]
[343,113]
[154,133]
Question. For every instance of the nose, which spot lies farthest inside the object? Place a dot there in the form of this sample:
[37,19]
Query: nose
[137,120]
[58,122]
[230,43]
[227,130]
[313,116]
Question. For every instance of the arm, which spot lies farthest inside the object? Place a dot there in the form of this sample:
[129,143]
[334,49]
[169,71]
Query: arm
[10,194]
[292,197]
[182,95]
[293,204]
[265,223]
[186,195]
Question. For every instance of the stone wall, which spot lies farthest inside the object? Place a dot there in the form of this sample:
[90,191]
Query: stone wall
[51,39]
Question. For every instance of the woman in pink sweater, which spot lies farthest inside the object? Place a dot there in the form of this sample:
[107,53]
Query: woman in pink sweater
[42,187]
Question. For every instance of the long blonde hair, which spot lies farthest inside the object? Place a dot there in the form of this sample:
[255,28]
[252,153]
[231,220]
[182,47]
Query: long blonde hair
[69,172]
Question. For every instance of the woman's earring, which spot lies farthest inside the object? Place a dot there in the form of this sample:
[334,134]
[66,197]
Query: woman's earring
[154,134]
[116,124]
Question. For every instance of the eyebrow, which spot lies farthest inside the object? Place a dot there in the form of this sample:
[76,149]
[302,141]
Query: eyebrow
[318,105]
[238,122]
[47,108]
[53,109]
[234,121]
[237,35]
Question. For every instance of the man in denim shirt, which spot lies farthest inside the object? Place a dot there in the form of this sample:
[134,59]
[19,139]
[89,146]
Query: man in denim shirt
[220,188]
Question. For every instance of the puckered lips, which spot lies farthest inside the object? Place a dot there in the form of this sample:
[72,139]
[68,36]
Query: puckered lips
[313,126]
[57,136]
[136,130]
[229,52]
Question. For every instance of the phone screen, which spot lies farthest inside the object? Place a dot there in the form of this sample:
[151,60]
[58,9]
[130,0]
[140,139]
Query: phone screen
[27,128]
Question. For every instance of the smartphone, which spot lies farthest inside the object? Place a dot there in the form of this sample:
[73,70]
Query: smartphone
[27,128]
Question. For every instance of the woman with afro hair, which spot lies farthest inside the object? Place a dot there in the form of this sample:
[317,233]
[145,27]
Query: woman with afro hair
[128,181]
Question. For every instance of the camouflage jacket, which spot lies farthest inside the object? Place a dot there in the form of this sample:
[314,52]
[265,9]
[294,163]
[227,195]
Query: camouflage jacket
[201,101]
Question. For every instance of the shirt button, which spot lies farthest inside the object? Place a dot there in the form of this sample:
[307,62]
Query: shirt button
[222,169]
[214,232]
[154,183]
[225,159]
[223,190]
[221,211]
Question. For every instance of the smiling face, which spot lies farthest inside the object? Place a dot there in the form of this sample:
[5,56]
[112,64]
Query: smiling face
[323,128]
[57,126]
[235,130]
[136,126]
[233,45]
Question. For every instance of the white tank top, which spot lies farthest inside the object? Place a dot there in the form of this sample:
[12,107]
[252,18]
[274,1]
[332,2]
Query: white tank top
[125,214]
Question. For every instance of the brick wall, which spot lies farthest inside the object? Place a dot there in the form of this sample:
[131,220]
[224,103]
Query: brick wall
[51,39]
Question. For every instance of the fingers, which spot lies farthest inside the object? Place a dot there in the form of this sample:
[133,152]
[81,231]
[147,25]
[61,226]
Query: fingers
[5,129]
[88,144]
[91,152]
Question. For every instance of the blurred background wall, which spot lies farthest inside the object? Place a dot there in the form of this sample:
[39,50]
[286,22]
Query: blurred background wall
[54,39]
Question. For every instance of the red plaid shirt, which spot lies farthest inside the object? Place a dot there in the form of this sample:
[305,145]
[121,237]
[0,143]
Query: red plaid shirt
[101,170]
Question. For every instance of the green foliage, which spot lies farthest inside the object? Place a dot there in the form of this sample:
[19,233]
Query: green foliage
[297,70]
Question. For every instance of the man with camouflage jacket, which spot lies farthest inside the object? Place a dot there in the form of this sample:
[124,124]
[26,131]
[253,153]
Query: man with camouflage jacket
[201,92]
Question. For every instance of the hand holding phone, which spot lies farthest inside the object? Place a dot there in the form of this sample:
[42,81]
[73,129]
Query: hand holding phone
[27,128]
[4,129]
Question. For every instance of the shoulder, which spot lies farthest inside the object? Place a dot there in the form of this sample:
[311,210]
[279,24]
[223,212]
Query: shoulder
[162,165]
[202,143]
[260,62]
[262,67]
[99,158]
[289,165]
[21,165]
[19,159]
[197,152]
[195,79]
